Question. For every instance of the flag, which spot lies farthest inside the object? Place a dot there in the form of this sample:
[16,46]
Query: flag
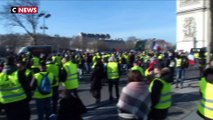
[155,46]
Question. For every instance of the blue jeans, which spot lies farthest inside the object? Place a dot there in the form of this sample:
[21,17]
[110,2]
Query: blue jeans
[43,108]
[180,75]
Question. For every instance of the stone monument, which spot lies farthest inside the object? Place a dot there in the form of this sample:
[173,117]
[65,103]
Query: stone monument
[192,24]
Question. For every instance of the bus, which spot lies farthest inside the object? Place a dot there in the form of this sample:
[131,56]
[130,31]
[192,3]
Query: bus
[36,50]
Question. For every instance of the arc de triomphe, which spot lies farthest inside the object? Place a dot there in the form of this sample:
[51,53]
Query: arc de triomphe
[192,24]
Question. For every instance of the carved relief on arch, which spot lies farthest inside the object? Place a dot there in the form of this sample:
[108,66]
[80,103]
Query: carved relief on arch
[190,27]
[188,2]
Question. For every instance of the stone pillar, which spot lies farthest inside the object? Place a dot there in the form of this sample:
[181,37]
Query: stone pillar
[210,30]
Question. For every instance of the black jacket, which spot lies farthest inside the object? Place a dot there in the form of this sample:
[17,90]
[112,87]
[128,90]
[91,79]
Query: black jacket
[71,108]
[97,76]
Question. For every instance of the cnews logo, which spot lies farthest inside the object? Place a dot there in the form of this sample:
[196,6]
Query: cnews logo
[25,10]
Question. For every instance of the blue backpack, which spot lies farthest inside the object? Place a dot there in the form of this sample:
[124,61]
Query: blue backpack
[45,85]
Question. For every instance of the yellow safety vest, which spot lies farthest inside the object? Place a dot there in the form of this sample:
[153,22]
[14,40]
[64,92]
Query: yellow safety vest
[140,69]
[57,59]
[27,72]
[160,57]
[36,62]
[166,95]
[178,62]
[52,68]
[112,70]
[72,76]
[39,76]
[146,59]
[10,88]
[147,73]
[196,55]
[206,106]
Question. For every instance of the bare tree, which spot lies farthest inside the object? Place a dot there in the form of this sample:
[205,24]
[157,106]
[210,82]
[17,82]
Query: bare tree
[28,22]
[75,42]
[101,46]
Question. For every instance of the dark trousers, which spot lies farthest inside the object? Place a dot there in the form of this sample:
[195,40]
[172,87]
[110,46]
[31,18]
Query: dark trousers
[128,119]
[96,94]
[55,98]
[72,92]
[157,114]
[112,83]
[43,108]
[18,110]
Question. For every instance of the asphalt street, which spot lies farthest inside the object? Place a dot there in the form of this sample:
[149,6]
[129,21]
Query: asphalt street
[185,101]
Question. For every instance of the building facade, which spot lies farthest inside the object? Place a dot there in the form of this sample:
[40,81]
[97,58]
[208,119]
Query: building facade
[192,24]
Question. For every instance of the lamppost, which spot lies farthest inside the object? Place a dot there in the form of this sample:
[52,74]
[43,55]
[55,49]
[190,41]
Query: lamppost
[210,28]
[45,16]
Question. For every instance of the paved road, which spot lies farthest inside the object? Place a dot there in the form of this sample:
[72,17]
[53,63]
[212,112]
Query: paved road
[185,102]
[184,108]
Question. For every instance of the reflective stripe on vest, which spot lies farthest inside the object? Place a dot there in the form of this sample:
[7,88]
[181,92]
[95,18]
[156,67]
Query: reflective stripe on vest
[10,88]
[70,75]
[14,95]
[206,106]
[166,95]
[112,70]
[71,81]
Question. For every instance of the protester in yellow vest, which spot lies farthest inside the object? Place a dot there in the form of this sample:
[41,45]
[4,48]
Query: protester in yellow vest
[180,72]
[136,66]
[57,59]
[12,92]
[35,62]
[52,67]
[42,82]
[113,77]
[205,109]
[69,77]
[161,97]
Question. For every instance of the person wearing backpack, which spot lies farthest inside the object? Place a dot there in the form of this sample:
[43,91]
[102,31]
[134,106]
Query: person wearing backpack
[42,86]
[13,96]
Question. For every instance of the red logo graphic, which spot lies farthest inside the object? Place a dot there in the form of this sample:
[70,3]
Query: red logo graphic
[25,10]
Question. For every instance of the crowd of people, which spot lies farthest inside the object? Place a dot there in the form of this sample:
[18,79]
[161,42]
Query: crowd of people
[147,95]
